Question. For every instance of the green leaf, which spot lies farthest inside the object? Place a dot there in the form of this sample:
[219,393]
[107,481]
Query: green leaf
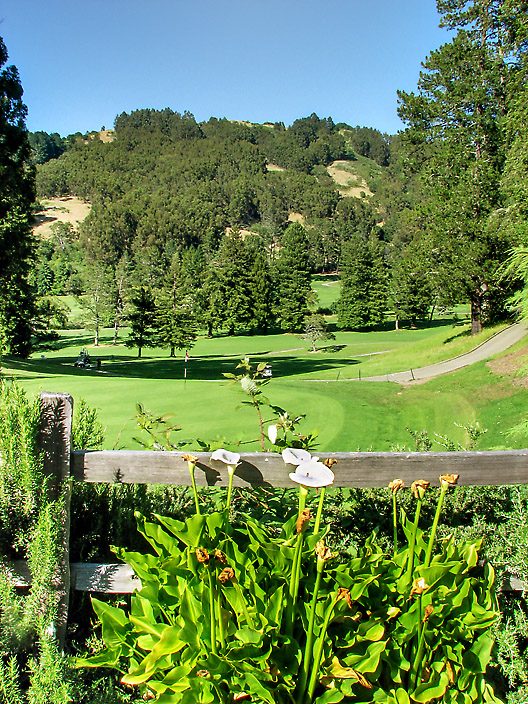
[190,532]
[249,636]
[400,696]
[434,689]
[478,656]
[330,697]
[108,658]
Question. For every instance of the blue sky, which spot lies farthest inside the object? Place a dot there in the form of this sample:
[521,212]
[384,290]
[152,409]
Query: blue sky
[82,63]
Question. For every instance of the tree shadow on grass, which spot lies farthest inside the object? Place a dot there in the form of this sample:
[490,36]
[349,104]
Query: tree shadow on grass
[212,368]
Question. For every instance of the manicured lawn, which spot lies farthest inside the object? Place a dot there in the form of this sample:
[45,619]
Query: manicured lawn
[346,413]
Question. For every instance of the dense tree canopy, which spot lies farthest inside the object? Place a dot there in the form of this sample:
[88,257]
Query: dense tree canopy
[16,199]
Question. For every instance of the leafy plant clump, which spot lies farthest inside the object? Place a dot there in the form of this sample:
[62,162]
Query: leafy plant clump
[243,612]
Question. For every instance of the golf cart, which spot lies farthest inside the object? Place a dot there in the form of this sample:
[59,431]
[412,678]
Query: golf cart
[83,362]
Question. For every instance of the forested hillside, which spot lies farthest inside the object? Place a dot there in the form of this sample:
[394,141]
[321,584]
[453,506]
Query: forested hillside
[198,217]
[221,223]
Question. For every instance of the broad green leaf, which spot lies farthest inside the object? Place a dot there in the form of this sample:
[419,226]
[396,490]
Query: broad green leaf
[144,626]
[248,635]
[330,697]
[434,689]
[190,532]
[108,658]
[477,657]
[368,660]
[255,687]
[400,696]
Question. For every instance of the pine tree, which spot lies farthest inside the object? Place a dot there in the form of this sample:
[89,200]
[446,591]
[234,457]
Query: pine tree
[142,319]
[292,279]
[260,288]
[455,140]
[363,298]
[16,198]
[227,285]
[175,325]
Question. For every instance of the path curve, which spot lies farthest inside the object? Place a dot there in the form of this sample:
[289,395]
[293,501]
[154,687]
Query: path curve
[495,344]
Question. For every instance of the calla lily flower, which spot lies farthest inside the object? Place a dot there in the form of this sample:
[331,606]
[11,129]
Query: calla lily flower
[272,434]
[230,458]
[294,455]
[312,474]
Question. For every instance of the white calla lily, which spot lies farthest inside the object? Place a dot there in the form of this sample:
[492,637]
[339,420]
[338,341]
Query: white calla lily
[295,455]
[230,458]
[312,474]
[272,434]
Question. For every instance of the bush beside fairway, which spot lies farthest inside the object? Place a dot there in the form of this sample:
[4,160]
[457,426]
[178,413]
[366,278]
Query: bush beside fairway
[348,415]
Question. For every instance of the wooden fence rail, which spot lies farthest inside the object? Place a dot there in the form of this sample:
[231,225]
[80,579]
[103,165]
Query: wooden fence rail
[354,469]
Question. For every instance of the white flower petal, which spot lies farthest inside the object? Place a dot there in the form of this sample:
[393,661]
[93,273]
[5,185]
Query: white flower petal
[313,474]
[294,455]
[230,458]
[272,433]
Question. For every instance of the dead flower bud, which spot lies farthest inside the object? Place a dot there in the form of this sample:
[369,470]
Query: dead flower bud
[240,695]
[419,487]
[448,479]
[220,557]
[419,586]
[203,673]
[303,519]
[226,575]
[396,485]
[343,593]
[190,458]
[202,555]
[428,613]
[329,462]
[323,553]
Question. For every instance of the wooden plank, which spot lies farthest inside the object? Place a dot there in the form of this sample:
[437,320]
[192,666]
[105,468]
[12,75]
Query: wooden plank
[56,412]
[107,579]
[120,579]
[353,469]
[85,577]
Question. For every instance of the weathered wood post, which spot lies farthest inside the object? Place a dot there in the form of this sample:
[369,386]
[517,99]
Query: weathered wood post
[55,440]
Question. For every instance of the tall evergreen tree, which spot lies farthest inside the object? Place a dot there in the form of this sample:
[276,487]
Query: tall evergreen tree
[17,194]
[175,325]
[260,288]
[227,285]
[363,299]
[455,140]
[142,319]
[292,279]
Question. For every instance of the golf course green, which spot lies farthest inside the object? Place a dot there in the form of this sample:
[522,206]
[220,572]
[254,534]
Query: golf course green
[347,413]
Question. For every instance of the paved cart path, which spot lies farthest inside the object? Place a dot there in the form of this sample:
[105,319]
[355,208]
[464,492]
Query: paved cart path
[495,344]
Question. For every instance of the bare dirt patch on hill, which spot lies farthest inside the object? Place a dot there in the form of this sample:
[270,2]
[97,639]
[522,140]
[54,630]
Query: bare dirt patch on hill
[68,209]
[349,184]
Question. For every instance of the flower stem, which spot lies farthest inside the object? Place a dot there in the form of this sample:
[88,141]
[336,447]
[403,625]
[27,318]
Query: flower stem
[318,650]
[192,466]
[310,637]
[415,670]
[261,423]
[432,536]
[296,567]
[247,616]
[212,610]
[230,471]
[412,544]
[395,522]
[319,510]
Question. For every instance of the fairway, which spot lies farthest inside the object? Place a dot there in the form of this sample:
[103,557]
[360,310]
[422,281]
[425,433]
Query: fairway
[346,413]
